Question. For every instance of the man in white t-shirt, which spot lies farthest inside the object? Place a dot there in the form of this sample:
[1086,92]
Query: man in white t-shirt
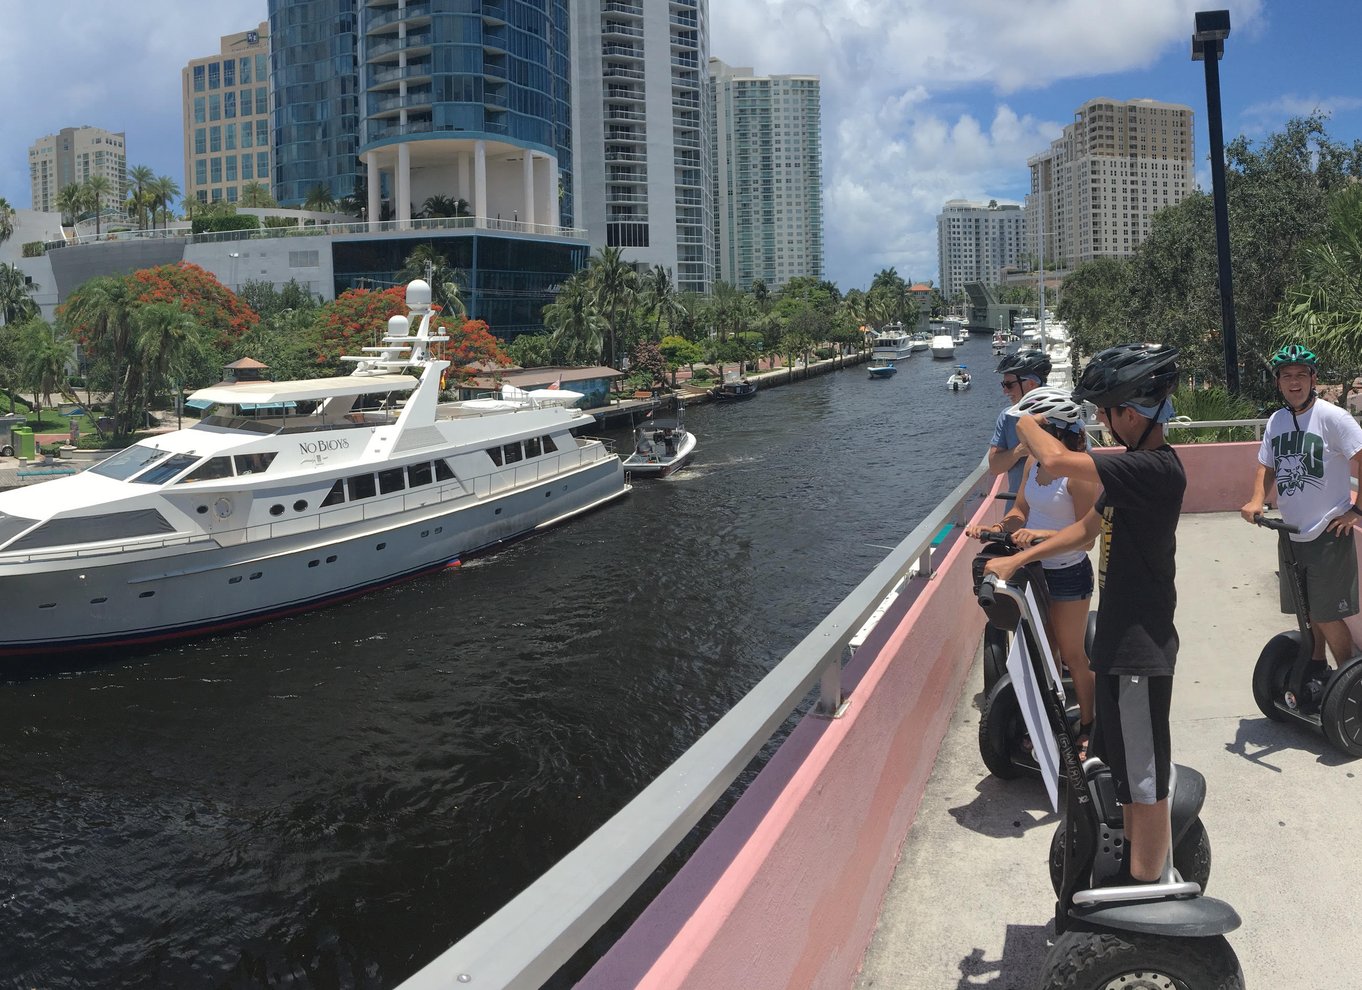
[1310,452]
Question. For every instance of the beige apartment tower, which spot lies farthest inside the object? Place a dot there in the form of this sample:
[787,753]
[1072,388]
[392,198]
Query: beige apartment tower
[1094,191]
[73,155]
[226,110]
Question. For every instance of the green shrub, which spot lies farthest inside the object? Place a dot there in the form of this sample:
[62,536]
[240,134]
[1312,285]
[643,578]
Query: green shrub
[274,223]
[34,249]
[702,374]
[235,221]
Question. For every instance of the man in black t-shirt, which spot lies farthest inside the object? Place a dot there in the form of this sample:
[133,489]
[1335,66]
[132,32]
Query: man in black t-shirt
[1136,646]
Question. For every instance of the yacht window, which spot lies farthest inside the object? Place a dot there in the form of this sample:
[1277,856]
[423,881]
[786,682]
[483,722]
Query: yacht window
[361,486]
[253,463]
[549,446]
[210,470]
[511,452]
[390,480]
[442,472]
[12,526]
[126,463]
[532,447]
[418,474]
[336,496]
[495,454]
[94,529]
[163,470]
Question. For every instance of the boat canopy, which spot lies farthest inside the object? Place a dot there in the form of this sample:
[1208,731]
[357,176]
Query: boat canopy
[312,390]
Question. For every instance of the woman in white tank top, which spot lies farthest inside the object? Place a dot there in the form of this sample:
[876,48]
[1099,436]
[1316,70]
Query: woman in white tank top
[1045,505]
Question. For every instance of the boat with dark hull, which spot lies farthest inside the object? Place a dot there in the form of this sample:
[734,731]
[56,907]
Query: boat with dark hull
[734,390]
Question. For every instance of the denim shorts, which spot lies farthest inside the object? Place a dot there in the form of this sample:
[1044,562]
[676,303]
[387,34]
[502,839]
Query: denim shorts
[1070,584]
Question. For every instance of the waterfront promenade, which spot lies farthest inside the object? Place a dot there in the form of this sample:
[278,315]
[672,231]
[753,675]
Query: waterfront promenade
[971,903]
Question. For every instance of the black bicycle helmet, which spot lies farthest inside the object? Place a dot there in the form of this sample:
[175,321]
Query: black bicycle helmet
[1292,354]
[1024,364]
[1141,373]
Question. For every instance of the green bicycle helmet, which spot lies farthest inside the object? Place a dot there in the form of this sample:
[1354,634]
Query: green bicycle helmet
[1292,354]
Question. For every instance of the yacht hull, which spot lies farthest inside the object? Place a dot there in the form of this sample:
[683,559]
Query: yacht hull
[133,598]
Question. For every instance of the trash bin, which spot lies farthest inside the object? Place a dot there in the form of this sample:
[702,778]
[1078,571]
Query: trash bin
[23,441]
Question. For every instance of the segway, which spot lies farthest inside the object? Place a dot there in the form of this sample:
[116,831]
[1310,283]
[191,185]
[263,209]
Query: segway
[1004,744]
[1289,686]
[1167,934]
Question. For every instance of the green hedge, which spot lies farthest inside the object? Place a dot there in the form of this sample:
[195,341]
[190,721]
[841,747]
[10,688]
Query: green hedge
[34,249]
[237,221]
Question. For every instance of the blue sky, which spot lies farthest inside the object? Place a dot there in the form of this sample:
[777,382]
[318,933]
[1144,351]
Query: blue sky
[923,100]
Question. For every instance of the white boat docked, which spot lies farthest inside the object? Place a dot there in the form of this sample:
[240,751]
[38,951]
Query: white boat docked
[959,380]
[943,346]
[921,341]
[290,495]
[661,447]
[892,342]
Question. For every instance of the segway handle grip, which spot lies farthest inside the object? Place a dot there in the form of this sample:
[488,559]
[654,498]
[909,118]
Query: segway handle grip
[986,593]
[1268,522]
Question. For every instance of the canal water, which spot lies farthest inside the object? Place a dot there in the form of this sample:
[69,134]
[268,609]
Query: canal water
[331,800]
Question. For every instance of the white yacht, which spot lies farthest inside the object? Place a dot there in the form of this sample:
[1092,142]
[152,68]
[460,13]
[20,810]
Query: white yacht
[291,495]
[892,342]
[943,346]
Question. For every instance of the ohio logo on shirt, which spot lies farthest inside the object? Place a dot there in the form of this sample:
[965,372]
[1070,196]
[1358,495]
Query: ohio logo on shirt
[1299,458]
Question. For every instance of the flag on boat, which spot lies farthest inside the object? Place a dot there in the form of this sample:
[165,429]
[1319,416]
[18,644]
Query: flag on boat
[558,383]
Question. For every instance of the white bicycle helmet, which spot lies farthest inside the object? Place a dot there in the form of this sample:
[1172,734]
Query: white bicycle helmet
[1055,404]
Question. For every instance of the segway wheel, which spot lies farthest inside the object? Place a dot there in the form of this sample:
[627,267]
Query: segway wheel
[1099,960]
[1341,711]
[1002,731]
[1191,856]
[1089,634]
[1272,672]
[995,656]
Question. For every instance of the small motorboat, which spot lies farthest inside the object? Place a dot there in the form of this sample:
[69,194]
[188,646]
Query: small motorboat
[959,380]
[1000,342]
[660,447]
[882,369]
[943,346]
[734,390]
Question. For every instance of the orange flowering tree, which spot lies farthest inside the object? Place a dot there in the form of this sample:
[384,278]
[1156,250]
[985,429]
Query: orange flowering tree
[220,312]
[357,318]
[471,344]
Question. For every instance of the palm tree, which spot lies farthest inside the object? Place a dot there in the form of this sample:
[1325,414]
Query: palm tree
[16,302]
[614,284]
[577,330]
[444,279]
[660,292]
[444,207]
[141,177]
[1325,306]
[256,195]
[96,188]
[106,308]
[164,191]
[71,201]
[45,355]
[319,199]
[6,220]
[168,341]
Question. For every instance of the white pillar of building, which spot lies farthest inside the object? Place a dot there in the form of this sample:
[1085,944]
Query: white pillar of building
[549,215]
[374,178]
[480,179]
[461,164]
[403,184]
[527,186]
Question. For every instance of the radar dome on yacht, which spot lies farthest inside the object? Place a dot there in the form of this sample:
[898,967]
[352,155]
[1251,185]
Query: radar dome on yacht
[418,294]
[399,325]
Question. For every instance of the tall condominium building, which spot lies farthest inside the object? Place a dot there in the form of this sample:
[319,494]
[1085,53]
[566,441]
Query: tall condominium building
[1094,191]
[768,176]
[406,100]
[227,118]
[640,96]
[975,241]
[73,155]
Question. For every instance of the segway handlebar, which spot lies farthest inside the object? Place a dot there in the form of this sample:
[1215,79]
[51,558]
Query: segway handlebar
[1271,522]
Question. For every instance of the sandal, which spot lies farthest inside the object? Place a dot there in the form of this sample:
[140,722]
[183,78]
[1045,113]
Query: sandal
[1081,740]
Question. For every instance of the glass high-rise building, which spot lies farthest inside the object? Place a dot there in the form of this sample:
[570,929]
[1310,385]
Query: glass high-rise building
[644,178]
[768,165]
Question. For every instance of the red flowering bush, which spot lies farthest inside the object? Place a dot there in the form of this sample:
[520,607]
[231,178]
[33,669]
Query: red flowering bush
[470,344]
[356,319]
[224,317]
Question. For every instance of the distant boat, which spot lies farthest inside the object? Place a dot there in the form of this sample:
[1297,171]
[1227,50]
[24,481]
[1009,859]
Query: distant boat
[943,346]
[921,341]
[882,369]
[959,380]
[660,447]
[892,342]
[734,390]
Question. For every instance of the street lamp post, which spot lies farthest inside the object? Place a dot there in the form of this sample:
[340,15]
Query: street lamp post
[1208,45]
